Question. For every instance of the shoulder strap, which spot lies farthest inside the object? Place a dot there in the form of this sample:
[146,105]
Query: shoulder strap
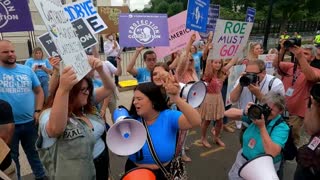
[280,120]
[153,152]
[270,83]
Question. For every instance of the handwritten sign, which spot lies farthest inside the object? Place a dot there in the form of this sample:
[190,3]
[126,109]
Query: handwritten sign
[179,35]
[197,15]
[268,60]
[64,36]
[85,36]
[230,37]
[110,16]
[138,29]
[15,16]
[85,9]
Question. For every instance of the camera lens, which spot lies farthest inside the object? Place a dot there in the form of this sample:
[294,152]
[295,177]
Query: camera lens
[254,112]
[245,81]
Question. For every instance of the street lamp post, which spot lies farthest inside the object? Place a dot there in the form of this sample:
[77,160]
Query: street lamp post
[267,30]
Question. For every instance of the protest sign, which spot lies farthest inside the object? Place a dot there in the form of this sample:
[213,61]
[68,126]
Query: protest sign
[197,15]
[147,30]
[64,36]
[15,16]
[85,9]
[235,72]
[214,14]
[85,36]
[110,16]
[230,37]
[268,60]
[179,35]
[251,12]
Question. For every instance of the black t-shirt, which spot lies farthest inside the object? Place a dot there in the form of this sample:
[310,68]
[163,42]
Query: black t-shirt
[6,117]
[315,63]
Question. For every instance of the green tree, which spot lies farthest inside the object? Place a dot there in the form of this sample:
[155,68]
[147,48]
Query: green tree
[175,8]
[162,7]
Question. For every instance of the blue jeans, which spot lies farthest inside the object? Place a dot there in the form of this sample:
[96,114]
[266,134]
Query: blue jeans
[27,134]
[44,80]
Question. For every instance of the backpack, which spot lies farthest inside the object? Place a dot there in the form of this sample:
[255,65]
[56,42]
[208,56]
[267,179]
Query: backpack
[289,151]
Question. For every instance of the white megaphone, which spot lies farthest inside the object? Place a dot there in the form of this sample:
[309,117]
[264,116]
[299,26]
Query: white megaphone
[193,92]
[126,136]
[261,168]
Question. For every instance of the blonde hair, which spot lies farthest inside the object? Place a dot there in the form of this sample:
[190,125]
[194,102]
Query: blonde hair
[209,71]
[250,54]
[273,51]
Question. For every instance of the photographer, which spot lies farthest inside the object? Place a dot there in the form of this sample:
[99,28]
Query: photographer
[253,84]
[297,78]
[308,158]
[262,136]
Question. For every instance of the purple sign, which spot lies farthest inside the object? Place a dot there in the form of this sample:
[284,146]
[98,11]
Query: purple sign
[147,30]
[15,16]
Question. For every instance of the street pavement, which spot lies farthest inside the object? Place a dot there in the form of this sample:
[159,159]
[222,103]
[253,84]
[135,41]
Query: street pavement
[207,164]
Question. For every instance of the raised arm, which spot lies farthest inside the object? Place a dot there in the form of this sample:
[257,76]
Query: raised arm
[54,80]
[130,67]
[59,113]
[184,58]
[119,68]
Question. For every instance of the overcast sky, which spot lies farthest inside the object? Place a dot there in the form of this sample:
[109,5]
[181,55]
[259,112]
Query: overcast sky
[134,4]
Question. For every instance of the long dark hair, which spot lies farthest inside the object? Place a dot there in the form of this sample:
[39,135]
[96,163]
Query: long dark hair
[88,108]
[153,92]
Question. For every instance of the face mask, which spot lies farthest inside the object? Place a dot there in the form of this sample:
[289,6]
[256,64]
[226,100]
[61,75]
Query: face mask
[110,38]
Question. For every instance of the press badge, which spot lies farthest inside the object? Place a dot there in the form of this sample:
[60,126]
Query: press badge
[252,143]
[290,92]
[314,143]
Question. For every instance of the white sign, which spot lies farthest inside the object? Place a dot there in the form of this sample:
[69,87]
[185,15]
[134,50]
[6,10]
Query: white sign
[64,36]
[85,9]
[268,60]
[230,37]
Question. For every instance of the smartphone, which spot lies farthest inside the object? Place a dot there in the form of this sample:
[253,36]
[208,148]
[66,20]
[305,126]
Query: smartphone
[39,66]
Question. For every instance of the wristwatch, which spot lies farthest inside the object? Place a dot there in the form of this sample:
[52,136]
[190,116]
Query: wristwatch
[37,110]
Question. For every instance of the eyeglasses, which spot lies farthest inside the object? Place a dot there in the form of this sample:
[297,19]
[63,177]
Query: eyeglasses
[85,90]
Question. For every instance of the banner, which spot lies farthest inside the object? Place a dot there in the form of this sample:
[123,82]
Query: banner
[85,36]
[15,16]
[110,16]
[179,35]
[235,72]
[230,37]
[268,60]
[197,15]
[214,14]
[251,12]
[146,30]
[85,9]
[64,36]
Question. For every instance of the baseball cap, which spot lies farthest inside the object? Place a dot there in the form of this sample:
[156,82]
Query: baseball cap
[6,115]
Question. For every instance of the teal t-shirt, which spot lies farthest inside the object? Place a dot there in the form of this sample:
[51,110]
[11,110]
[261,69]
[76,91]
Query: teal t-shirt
[43,62]
[143,75]
[252,141]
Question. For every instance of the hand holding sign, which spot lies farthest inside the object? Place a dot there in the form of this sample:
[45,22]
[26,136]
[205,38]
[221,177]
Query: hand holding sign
[68,79]
[95,63]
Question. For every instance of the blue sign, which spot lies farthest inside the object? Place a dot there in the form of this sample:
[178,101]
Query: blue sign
[251,12]
[197,15]
[214,13]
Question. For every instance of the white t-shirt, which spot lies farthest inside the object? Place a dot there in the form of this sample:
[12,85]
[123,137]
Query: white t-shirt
[99,129]
[246,96]
[108,68]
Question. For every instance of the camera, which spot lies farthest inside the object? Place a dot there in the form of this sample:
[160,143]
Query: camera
[291,42]
[315,92]
[256,110]
[249,78]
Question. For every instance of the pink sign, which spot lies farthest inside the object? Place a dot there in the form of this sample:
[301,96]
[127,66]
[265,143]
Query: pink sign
[179,35]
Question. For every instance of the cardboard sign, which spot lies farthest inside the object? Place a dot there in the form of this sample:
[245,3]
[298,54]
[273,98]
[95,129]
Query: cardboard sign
[64,36]
[85,9]
[197,15]
[4,150]
[85,36]
[230,37]
[179,35]
[110,16]
[147,30]
[268,60]
[15,16]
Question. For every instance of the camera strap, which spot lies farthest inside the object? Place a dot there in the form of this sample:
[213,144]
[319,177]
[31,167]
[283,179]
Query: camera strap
[295,73]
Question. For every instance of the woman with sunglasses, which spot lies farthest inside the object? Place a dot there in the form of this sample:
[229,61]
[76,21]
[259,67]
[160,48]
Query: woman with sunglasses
[70,142]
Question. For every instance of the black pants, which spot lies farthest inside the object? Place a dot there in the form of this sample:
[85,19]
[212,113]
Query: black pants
[158,173]
[305,174]
[113,61]
[101,163]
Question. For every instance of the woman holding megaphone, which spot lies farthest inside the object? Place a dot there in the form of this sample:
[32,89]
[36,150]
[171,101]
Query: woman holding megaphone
[150,107]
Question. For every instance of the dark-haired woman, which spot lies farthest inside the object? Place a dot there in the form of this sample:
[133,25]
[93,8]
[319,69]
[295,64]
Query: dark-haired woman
[70,144]
[149,105]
